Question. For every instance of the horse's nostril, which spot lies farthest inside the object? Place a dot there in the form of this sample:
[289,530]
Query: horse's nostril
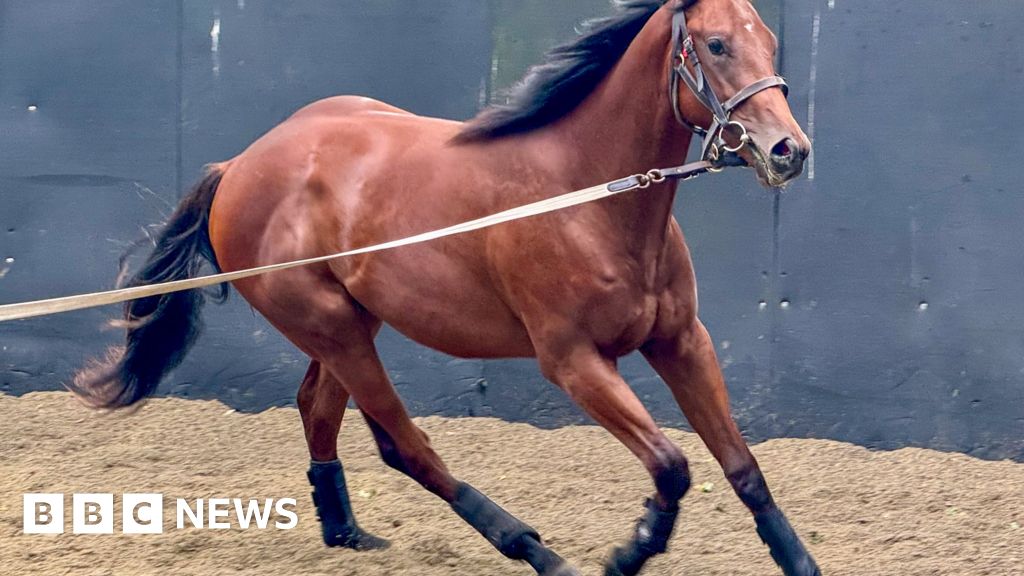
[785,149]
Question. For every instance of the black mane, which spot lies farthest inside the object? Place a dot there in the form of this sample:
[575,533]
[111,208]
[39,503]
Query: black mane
[569,74]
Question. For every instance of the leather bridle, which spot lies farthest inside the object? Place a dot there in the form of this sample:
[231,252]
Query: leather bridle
[714,148]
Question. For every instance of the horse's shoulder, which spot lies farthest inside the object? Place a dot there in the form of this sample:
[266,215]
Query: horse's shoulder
[677,293]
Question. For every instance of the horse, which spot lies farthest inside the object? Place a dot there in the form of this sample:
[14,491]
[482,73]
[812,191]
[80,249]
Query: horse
[575,289]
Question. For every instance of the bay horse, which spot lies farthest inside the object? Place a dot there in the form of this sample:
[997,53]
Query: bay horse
[575,289]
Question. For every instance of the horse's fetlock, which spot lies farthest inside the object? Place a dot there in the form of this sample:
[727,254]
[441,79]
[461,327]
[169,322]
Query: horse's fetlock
[671,472]
[392,457]
[750,486]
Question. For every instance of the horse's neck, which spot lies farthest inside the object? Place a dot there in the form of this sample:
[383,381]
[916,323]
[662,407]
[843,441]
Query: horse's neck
[627,126]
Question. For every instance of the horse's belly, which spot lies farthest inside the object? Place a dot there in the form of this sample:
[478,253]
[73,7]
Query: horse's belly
[488,338]
[437,302]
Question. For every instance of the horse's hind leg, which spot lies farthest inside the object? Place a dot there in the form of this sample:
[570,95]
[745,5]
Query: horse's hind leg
[322,400]
[320,317]
[689,367]
[406,448]
[594,383]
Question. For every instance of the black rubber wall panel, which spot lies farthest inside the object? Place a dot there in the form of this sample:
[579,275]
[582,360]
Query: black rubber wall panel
[879,300]
[88,124]
[904,256]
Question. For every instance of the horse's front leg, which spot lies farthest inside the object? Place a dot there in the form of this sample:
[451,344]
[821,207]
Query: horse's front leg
[689,366]
[594,383]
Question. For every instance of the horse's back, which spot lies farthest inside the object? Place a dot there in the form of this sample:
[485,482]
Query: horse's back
[346,105]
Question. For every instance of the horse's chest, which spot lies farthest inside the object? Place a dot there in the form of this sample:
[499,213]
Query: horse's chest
[619,314]
[582,284]
[628,325]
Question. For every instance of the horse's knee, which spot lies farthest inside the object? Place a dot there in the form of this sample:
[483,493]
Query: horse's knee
[670,471]
[750,486]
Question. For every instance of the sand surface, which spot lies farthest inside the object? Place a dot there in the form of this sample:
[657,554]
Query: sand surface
[908,512]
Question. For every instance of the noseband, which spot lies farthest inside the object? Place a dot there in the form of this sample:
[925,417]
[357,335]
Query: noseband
[714,148]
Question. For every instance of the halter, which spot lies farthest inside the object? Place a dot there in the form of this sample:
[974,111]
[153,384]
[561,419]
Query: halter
[714,148]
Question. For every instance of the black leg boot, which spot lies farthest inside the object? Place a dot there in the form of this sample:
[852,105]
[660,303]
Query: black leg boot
[785,546]
[508,534]
[651,537]
[333,507]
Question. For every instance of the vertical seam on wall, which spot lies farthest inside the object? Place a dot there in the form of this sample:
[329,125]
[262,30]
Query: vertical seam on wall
[180,81]
[782,38]
[774,290]
[492,72]
[775,297]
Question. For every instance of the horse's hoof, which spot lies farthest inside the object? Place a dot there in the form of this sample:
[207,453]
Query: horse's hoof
[357,539]
[802,566]
[610,570]
[368,541]
[807,567]
[563,569]
[623,563]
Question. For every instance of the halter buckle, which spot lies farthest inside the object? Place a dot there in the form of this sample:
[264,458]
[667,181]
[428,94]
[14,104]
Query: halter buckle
[713,155]
[687,48]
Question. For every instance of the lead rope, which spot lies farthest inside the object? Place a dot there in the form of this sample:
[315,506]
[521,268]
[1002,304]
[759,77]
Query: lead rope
[21,310]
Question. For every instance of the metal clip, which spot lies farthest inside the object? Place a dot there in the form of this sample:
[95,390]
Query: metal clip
[655,176]
[744,137]
[624,184]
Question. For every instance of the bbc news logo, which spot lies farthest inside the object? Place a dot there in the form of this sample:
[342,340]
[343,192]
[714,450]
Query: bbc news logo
[144,513]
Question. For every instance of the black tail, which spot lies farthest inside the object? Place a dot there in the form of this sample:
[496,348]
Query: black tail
[161,329]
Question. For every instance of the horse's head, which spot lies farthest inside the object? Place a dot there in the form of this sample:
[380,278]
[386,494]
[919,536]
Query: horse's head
[724,83]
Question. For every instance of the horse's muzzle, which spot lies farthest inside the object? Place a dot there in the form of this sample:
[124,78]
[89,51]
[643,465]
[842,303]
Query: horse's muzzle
[786,159]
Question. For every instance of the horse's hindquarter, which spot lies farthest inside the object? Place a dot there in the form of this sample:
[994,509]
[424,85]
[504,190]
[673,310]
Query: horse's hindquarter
[326,182]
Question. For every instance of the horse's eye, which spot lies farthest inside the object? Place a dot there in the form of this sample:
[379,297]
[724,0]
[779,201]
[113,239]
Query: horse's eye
[716,46]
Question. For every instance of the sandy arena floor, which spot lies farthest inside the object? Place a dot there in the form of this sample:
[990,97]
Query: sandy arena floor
[910,512]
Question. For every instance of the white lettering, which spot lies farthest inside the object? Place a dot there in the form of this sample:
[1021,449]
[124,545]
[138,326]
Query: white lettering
[293,518]
[43,513]
[92,513]
[217,508]
[195,518]
[142,513]
[253,510]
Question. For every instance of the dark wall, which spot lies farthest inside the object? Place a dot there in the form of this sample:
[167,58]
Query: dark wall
[903,256]
[879,300]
